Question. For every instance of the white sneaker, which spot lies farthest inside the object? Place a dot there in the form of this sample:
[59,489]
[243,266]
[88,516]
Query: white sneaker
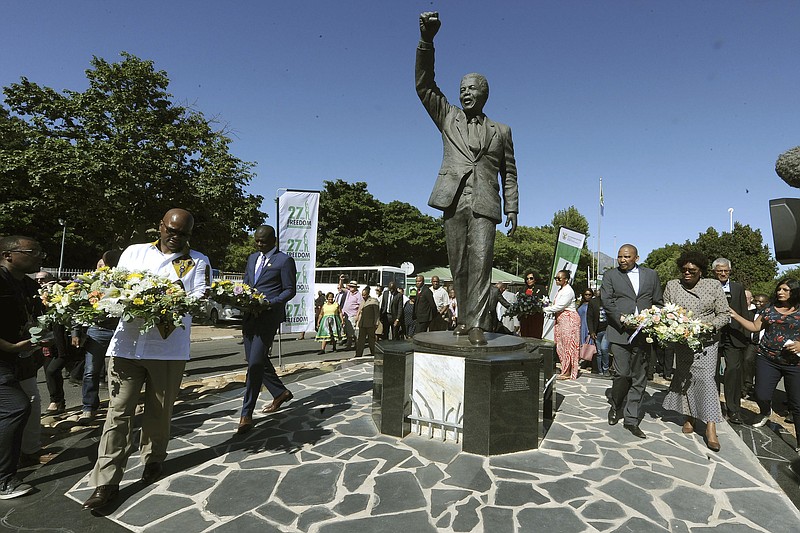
[761,422]
[14,488]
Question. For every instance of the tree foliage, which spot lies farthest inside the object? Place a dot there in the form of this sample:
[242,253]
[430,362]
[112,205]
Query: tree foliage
[356,229]
[112,159]
[752,264]
[532,248]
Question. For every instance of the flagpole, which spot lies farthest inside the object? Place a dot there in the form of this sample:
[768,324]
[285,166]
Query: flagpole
[599,219]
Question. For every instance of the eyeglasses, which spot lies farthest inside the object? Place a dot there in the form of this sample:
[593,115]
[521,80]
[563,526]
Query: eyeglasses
[33,253]
[172,232]
[722,271]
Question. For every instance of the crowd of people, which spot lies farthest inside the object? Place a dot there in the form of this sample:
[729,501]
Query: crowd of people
[753,347]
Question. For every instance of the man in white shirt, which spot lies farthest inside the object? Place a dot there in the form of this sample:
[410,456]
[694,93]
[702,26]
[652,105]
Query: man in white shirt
[148,359]
[442,300]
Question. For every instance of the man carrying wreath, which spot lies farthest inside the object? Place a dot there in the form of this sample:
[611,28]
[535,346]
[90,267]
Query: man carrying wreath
[148,359]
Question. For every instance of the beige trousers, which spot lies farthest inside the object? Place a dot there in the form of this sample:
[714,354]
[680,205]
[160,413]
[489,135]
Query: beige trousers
[162,381]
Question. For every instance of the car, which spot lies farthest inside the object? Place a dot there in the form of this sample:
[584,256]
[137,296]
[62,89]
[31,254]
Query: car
[210,313]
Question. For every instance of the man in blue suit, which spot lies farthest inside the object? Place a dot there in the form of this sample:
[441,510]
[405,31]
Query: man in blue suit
[628,289]
[273,274]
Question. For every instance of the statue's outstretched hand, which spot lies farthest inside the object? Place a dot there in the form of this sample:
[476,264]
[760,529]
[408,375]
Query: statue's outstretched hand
[429,24]
[511,220]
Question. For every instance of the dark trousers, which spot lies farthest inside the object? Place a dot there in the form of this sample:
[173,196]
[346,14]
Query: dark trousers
[630,379]
[387,326]
[97,341]
[366,335]
[260,370]
[54,378]
[768,374]
[732,378]
[749,368]
[15,407]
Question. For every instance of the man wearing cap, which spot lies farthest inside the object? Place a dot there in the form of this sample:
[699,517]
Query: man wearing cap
[352,303]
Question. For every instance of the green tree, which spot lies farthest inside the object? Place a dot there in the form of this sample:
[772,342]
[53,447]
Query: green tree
[112,159]
[357,229]
[571,218]
[662,260]
[753,265]
[532,248]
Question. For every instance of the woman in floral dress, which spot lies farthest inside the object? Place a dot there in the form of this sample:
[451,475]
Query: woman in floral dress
[330,323]
[693,391]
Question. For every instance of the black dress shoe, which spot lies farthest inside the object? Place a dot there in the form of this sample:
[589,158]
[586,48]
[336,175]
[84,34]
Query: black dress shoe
[635,431]
[476,337]
[613,416]
[461,329]
[734,418]
[101,496]
[283,397]
[151,473]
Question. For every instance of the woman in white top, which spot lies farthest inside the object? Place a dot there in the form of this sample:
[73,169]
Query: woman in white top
[567,330]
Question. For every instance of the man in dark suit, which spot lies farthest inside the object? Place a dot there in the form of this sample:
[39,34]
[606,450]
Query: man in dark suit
[424,307]
[734,339]
[476,151]
[628,289]
[273,274]
[388,309]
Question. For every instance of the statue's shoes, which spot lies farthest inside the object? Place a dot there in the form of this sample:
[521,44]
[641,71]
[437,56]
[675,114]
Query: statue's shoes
[461,329]
[476,337]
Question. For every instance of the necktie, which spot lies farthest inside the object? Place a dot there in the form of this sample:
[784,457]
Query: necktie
[259,265]
[474,135]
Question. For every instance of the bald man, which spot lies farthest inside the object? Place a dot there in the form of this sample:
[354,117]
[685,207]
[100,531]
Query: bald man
[139,359]
[628,289]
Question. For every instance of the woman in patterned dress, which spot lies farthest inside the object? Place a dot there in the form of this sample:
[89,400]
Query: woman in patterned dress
[777,355]
[330,323]
[567,330]
[693,391]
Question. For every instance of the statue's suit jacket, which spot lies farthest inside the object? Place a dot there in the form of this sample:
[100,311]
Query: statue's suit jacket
[496,156]
[618,298]
[277,282]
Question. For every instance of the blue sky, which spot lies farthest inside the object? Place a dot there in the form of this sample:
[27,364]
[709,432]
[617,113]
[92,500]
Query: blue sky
[682,107]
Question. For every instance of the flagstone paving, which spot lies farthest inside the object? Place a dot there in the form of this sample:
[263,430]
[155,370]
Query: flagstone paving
[319,465]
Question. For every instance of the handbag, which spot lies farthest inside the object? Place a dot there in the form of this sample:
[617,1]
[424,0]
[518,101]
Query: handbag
[588,349]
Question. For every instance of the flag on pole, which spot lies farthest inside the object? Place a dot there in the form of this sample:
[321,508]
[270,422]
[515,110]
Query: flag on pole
[601,197]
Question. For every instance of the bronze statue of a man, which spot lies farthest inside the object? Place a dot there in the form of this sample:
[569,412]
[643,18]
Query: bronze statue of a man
[476,151]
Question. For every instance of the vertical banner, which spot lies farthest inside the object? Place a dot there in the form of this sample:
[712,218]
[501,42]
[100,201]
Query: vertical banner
[568,252]
[297,236]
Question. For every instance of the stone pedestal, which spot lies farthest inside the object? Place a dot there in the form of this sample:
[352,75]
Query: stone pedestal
[490,398]
[391,387]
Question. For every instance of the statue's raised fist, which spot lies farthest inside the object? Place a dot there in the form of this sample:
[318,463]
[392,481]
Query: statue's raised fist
[429,24]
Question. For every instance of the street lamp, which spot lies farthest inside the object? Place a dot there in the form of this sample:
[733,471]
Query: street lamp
[730,212]
[63,236]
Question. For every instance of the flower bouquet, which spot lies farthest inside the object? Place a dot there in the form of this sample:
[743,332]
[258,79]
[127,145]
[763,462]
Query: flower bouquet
[238,295]
[527,305]
[106,293]
[671,323]
[158,301]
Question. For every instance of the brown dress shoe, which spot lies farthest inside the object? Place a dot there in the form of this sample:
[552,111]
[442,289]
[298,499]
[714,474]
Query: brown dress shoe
[101,496]
[688,426]
[245,424]
[285,396]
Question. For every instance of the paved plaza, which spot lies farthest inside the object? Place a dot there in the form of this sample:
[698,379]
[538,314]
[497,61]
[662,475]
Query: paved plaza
[320,466]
